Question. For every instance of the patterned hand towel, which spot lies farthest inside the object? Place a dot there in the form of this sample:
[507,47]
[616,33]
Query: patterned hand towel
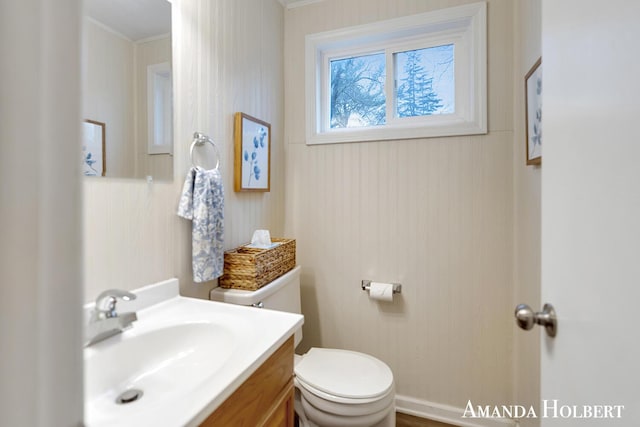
[202,202]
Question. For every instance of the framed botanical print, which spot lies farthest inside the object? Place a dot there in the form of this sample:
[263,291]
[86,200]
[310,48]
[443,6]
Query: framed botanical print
[252,168]
[93,148]
[533,108]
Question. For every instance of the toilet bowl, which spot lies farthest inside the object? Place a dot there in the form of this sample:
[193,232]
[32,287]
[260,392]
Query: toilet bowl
[341,388]
[334,388]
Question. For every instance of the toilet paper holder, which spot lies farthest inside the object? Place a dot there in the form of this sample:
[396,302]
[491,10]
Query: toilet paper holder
[397,287]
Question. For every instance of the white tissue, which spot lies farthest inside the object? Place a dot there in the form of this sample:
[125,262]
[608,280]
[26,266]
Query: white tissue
[381,291]
[261,240]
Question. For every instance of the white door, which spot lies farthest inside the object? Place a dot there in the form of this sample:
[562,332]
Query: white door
[591,209]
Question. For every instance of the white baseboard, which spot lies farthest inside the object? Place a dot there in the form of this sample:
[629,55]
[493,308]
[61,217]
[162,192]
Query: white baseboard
[445,413]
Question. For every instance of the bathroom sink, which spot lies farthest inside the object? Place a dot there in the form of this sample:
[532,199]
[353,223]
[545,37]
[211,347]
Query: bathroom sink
[179,361]
[151,361]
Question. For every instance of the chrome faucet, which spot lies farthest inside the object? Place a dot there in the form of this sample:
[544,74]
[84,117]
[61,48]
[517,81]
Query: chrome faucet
[105,320]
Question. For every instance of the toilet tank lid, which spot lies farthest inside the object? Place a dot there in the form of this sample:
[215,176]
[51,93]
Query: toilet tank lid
[242,297]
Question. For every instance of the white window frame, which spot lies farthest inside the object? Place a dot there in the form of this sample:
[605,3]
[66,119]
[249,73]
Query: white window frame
[464,26]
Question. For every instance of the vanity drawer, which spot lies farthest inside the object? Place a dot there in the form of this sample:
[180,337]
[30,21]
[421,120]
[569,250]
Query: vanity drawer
[264,399]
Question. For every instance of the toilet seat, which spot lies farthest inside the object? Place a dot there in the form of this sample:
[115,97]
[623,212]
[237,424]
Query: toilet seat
[344,376]
[342,406]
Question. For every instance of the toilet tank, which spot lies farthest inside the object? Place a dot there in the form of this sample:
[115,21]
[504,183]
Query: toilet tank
[283,294]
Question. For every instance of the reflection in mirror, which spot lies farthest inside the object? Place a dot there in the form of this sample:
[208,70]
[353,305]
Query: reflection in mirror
[128,86]
[93,143]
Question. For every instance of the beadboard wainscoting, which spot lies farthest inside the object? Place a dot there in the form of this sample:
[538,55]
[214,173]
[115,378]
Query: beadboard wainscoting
[107,94]
[227,57]
[149,52]
[433,214]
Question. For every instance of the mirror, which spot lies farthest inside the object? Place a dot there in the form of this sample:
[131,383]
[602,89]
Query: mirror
[127,89]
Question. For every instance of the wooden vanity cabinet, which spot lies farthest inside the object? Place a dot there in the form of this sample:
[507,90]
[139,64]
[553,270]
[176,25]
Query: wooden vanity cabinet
[265,399]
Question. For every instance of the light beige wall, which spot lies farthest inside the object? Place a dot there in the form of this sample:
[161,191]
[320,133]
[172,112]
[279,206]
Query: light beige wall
[108,94]
[40,237]
[434,214]
[159,166]
[228,57]
[527,34]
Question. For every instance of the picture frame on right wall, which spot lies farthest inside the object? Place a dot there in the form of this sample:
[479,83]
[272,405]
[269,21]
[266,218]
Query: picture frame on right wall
[533,113]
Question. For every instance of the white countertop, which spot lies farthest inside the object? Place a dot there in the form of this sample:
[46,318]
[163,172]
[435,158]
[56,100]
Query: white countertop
[187,356]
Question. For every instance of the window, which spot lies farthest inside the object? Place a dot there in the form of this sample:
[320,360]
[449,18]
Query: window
[357,91]
[159,109]
[412,77]
[425,81]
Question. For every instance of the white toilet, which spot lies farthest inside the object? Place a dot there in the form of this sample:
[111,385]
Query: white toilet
[334,388]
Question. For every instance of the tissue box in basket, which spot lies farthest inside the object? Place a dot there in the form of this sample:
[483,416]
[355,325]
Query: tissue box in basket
[251,268]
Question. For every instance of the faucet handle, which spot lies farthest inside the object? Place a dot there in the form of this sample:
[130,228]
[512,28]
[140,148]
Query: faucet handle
[106,302]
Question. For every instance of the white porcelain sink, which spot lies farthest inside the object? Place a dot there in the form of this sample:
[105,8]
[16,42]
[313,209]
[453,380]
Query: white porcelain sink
[151,362]
[185,355]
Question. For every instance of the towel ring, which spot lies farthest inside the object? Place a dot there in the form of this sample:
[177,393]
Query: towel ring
[199,139]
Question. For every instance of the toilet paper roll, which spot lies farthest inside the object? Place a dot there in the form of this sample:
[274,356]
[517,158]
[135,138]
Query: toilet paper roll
[381,291]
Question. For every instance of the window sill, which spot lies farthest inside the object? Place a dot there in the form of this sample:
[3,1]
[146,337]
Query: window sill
[449,127]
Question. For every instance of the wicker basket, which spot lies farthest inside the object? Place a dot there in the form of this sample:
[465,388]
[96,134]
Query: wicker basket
[251,269]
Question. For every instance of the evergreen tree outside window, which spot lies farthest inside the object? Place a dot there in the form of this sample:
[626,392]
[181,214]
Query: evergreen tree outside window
[425,81]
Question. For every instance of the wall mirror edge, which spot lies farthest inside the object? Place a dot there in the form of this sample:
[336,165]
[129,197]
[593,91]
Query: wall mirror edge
[117,55]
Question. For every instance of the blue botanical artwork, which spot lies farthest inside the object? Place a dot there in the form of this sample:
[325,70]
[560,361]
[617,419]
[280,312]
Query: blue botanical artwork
[92,149]
[255,155]
[534,115]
